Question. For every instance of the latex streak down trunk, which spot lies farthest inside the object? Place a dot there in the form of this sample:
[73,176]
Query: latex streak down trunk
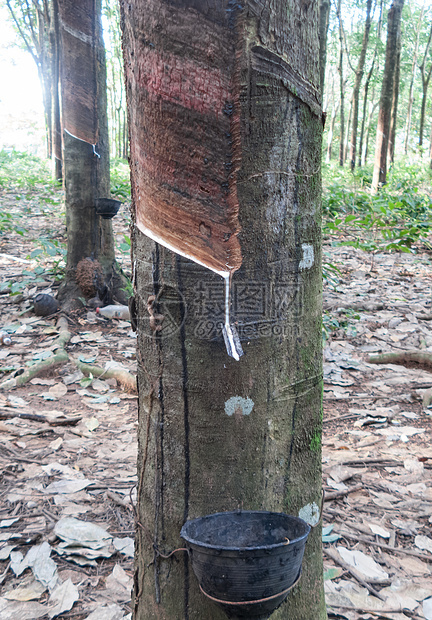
[216,434]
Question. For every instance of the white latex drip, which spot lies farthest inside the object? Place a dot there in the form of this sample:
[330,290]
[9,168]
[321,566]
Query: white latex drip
[228,329]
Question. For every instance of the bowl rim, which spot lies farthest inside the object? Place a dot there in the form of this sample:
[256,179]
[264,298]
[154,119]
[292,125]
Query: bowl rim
[204,545]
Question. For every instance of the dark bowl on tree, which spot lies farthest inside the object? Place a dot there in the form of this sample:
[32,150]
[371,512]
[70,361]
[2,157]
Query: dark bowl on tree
[246,561]
[107,208]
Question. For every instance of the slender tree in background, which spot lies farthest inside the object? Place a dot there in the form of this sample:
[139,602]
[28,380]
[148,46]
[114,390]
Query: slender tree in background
[225,115]
[372,107]
[332,123]
[384,116]
[357,83]
[341,84]
[394,106]
[85,150]
[35,23]
[347,132]
[430,151]
[115,81]
[55,94]
[413,73]
[425,72]
[366,90]
[323,30]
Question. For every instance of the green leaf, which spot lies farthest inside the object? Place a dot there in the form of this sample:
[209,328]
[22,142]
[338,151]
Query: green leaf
[86,381]
[327,529]
[332,573]
[87,360]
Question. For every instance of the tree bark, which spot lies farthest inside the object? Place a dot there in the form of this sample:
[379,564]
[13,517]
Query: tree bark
[384,115]
[217,434]
[357,84]
[85,147]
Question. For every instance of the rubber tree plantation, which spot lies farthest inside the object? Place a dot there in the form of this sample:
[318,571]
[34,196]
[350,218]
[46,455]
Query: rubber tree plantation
[226,128]
[91,269]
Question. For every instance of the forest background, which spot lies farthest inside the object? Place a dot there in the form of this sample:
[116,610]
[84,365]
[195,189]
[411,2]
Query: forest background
[353,47]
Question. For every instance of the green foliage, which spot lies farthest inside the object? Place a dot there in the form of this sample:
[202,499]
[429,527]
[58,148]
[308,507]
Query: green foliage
[345,322]
[120,179]
[51,249]
[395,219]
[23,170]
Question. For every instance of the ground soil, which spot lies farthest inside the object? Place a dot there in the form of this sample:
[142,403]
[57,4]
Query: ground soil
[377,451]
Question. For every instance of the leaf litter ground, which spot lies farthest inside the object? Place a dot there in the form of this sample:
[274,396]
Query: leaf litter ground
[68,486]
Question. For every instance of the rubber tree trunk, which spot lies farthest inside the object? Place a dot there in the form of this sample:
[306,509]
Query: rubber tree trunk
[217,434]
[357,83]
[85,145]
[384,115]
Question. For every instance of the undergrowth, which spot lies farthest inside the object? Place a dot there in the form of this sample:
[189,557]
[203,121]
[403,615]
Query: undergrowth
[397,218]
[30,190]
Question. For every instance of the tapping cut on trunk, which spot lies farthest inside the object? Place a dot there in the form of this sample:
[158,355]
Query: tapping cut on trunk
[185,131]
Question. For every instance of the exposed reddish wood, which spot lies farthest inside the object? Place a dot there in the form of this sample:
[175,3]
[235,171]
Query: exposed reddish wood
[79,100]
[184,129]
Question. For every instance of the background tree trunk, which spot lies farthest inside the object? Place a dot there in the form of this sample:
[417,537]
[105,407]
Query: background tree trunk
[347,144]
[384,115]
[216,434]
[372,107]
[425,77]
[323,30]
[85,147]
[56,121]
[341,86]
[411,89]
[33,22]
[331,131]
[394,107]
[357,84]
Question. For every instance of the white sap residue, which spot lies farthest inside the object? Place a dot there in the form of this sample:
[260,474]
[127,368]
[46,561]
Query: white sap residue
[228,329]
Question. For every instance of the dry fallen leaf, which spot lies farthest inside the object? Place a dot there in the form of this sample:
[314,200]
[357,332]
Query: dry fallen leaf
[378,530]
[110,612]
[427,608]
[63,598]
[31,591]
[363,563]
[423,542]
[17,610]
